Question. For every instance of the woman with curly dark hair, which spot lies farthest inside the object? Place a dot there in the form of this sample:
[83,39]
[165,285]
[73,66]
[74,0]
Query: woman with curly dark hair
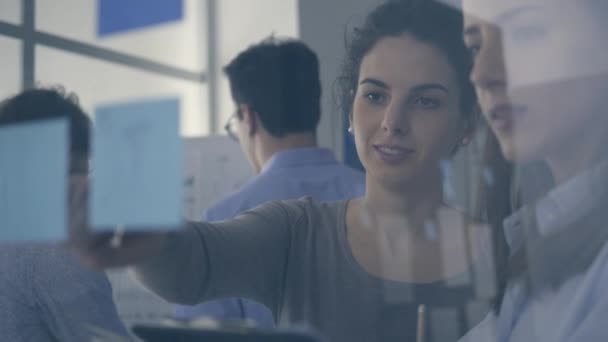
[361,269]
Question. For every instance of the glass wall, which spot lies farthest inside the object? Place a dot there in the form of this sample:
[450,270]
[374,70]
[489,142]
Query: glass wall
[134,202]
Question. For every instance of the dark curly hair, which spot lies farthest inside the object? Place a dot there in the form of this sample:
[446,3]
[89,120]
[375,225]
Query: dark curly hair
[50,103]
[428,21]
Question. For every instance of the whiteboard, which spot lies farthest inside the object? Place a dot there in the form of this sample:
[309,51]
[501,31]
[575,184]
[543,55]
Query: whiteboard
[214,167]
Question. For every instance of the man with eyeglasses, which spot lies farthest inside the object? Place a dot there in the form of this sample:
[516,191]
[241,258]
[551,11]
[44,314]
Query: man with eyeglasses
[45,294]
[277,92]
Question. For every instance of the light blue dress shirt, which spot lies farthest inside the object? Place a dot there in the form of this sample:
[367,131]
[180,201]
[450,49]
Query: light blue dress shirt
[575,311]
[289,174]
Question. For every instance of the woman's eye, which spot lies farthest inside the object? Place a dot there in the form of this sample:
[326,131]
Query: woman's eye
[426,102]
[375,97]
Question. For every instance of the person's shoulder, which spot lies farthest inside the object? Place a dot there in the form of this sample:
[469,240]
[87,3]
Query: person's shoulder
[315,212]
[26,258]
[247,197]
[350,172]
[298,207]
[585,295]
[351,179]
[16,265]
[54,268]
[223,209]
[16,254]
[598,271]
[311,204]
[306,205]
[484,331]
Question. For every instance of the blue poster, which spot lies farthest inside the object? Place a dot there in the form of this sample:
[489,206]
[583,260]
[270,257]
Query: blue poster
[137,181]
[116,16]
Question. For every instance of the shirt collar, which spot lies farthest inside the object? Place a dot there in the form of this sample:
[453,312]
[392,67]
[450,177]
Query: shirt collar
[561,206]
[299,157]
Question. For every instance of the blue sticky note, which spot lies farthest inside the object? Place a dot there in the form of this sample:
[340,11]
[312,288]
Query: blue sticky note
[117,16]
[33,181]
[137,180]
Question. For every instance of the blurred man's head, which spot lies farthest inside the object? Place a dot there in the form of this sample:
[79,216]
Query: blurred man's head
[43,104]
[277,92]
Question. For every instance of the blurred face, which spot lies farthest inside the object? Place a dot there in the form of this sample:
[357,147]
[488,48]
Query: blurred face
[406,114]
[540,73]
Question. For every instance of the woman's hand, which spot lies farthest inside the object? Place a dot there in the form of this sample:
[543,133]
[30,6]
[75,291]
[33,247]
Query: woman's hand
[101,250]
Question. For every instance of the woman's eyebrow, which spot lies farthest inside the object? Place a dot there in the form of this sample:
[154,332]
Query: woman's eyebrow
[375,82]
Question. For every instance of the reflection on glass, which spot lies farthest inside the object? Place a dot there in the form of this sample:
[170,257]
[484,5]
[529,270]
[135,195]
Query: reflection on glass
[541,75]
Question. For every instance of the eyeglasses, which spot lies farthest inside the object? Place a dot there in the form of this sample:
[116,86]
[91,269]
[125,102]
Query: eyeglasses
[230,127]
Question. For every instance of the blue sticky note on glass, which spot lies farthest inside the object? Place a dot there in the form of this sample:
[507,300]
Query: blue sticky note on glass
[33,181]
[117,16]
[137,180]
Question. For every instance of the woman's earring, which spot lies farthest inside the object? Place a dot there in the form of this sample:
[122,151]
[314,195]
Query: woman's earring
[350,129]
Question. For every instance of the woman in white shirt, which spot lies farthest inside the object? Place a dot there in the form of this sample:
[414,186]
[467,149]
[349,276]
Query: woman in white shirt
[541,76]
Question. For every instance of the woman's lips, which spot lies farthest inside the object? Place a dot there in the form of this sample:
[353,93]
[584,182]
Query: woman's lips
[392,154]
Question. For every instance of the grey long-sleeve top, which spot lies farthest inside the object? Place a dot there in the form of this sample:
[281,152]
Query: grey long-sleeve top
[293,256]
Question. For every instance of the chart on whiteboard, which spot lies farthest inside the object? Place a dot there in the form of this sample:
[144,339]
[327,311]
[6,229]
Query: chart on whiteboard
[214,168]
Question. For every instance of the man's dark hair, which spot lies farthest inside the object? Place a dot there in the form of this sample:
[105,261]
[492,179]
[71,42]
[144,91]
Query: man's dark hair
[279,80]
[40,104]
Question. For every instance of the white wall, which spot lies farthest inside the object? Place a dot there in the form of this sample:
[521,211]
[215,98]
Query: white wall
[323,25]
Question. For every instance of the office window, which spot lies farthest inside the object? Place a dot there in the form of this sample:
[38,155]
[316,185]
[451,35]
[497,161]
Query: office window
[172,32]
[10,11]
[98,83]
[10,68]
